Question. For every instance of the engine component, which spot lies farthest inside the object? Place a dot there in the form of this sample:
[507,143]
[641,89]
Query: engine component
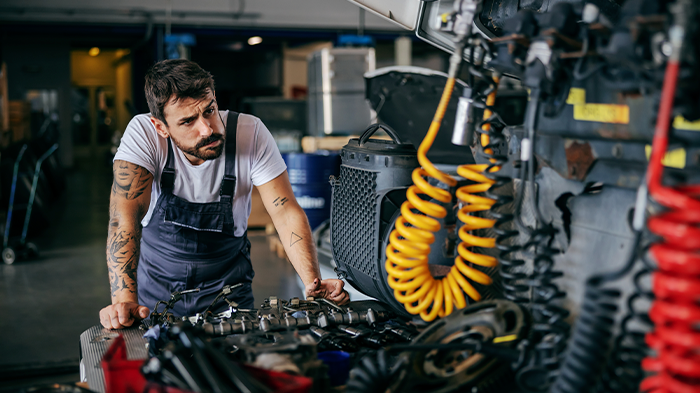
[225,291]
[490,20]
[188,362]
[448,370]
[157,318]
[331,341]
[373,177]
[276,351]
[373,374]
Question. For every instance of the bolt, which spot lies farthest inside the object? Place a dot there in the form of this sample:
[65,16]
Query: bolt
[617,151]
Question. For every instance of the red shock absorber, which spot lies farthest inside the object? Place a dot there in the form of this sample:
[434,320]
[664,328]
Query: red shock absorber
[676,282]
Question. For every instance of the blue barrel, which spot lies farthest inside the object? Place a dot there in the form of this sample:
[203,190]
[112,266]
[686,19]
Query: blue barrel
[308,174]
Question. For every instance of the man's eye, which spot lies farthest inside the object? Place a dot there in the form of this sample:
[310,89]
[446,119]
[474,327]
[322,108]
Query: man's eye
[209,111]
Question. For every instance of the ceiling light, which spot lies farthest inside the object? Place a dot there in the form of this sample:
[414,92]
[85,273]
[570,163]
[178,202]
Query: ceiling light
[254,40]
[94,51]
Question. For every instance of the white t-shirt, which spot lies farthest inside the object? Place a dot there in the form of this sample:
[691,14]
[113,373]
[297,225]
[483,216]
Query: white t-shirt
[258,162]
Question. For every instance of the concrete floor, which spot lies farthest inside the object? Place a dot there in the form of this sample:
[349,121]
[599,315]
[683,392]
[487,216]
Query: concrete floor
[46,303]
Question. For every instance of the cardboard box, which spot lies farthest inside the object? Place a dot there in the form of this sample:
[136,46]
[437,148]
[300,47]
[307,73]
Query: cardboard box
[259,218]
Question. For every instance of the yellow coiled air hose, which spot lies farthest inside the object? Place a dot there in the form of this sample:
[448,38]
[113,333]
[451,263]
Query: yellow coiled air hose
[409,246]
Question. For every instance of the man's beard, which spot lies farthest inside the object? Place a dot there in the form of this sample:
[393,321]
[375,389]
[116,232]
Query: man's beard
[200,152]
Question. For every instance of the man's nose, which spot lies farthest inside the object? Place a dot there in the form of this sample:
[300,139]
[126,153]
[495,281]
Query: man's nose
[204,127]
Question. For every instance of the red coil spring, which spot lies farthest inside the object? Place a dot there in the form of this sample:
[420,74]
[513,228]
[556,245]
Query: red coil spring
[676,283]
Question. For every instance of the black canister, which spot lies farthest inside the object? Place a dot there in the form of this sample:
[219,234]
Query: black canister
[374,176]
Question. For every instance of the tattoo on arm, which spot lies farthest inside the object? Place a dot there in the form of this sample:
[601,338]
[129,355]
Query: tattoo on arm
[278,202]
[295,239]
[123,242]
[130,180]
[123,257]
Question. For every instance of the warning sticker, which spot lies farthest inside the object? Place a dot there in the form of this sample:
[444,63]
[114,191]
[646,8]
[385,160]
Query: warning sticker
[680,123]
[577,96]
[603,113]
[672,159]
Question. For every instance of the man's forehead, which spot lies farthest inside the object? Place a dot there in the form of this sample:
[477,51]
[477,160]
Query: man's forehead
[188,105]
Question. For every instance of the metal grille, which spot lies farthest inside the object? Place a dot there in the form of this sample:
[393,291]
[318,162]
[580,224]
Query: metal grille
[354,223]
[95,341]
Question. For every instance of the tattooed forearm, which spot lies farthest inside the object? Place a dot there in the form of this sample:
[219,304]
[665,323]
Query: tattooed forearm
[130,180]
[122,259]
[128,205]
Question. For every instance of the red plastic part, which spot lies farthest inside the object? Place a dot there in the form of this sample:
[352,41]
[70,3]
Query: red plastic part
[124,376]
[121,375]
[676,283]
[281,382]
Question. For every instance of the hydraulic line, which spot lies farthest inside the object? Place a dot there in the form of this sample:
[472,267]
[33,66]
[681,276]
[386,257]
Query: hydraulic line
[675,311]
[407,253]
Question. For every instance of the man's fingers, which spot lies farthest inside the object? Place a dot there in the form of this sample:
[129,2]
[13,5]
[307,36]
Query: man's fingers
[341,299]
[337,288]
[105,318]
[110,318]
[143,312]
[124,314]
[121,315]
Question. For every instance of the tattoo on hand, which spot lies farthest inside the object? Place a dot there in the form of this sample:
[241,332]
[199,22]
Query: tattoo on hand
[130,180]
[295,239]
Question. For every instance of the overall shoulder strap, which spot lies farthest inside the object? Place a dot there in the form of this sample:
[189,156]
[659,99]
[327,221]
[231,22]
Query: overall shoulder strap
[167,178]
[228,184]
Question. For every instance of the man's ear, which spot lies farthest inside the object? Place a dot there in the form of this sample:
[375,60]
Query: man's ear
[161,128]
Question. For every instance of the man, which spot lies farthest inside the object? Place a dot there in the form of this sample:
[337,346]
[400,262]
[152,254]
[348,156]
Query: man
[180,202]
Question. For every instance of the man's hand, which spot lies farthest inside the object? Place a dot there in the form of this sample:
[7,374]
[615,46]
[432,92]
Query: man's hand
[121,315]
[331,289]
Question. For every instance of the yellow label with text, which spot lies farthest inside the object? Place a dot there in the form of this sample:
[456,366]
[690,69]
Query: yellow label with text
[672,159]
[603,113]
[680,123]
[577,96]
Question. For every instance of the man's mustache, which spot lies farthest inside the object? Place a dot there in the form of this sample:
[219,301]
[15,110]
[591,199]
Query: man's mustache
[210,139]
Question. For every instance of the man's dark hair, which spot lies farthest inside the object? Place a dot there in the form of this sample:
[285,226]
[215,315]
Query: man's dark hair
[173,80]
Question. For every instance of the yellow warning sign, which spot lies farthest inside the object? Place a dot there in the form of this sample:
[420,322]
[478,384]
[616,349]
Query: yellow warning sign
[603,113]
[680,123]
[673,159]
[577,96]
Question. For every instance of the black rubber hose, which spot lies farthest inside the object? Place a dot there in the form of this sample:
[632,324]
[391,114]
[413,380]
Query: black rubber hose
[588,348]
